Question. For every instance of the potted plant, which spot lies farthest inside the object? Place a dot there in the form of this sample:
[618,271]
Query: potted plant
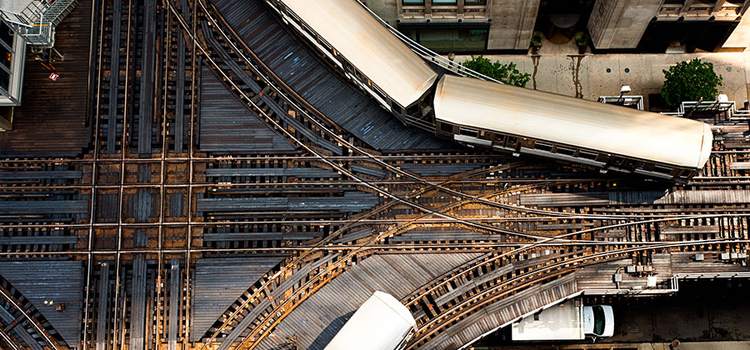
[582,40]
[536,42]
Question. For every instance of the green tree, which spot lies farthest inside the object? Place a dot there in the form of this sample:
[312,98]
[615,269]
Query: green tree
[690,81]
[507,73]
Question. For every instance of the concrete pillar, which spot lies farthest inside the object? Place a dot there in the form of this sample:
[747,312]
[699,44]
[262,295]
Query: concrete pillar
[512,24]
[620,24]
[385,9]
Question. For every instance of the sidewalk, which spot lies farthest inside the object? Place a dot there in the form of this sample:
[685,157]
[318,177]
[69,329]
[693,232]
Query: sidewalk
[592,75]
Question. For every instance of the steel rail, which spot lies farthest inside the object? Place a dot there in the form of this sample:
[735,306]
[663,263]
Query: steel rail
[338,138]
[94,166]
[535,244]
[401,247]
[34,323]
[456,311]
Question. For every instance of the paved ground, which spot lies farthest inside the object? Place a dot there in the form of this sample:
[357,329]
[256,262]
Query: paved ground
[700,314]
[560,69]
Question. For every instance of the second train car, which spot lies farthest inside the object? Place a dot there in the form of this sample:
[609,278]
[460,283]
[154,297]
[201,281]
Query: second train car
[486,114]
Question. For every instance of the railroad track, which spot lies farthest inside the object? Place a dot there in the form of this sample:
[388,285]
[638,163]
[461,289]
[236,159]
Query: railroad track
[250,336]
[146,156]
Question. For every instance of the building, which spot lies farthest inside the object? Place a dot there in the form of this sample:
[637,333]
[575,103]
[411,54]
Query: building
[12,54]
[22,23]
[614,25]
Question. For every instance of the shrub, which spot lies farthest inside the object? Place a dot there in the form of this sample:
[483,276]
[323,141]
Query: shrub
[507,73]
[536,40]
[582,40]
[690,81]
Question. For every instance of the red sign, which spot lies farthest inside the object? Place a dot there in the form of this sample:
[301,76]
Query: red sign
[54,76]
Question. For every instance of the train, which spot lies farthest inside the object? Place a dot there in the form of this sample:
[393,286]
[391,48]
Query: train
[486,114]
[381,323]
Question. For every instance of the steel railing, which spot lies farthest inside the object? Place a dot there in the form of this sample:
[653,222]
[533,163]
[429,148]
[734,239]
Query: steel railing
[728,107]
[37,21]
[624,100]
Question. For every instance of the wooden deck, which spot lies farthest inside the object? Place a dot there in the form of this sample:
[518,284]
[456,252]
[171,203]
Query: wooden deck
[226,126]
[57,280]
[219,282]
[52,118]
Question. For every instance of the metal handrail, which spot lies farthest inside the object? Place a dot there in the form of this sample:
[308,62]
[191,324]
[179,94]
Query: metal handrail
[730,107]
[36,22]
[428,54]
[623,99]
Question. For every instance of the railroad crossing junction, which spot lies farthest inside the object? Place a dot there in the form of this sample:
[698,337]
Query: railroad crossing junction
[197,177]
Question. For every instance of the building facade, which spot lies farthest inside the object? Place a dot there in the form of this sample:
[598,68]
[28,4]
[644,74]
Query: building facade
[628,25]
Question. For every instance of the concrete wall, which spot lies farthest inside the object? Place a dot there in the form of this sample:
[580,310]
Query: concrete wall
[385,9]
[587,76]
[512,24]
[620,24]
[740,38]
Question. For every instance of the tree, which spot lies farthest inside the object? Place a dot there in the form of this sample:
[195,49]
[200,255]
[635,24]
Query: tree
[690,81]
[507,73]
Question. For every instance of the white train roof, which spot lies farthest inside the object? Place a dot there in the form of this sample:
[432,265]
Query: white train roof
[368,45]
[572,121]
[379,324]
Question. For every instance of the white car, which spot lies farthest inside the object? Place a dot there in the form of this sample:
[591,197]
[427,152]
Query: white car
[598,321]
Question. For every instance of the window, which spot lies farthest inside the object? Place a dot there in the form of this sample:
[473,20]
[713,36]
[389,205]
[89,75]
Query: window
[379,93]
[475,2]
[618,161]
[468,132]
[6,57]
[662,169]
[308,30]
[4,80]
[294,17]
[512,140]
[446,128]
[587,155]
[499,139]
[448,38]
[396,109]
[443,2]
[598,320]
[413,2]
[566,151]
[6,34]
[543,146]
[325,44]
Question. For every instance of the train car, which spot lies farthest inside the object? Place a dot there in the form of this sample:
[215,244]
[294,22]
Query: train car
[486,114]
[381,323]
[523,121]
[378,62]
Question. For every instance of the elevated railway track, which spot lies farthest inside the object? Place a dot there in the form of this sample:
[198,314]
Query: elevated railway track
[146,202]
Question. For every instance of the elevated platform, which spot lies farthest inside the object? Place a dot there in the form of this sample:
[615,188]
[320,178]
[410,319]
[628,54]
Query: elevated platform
[52,118]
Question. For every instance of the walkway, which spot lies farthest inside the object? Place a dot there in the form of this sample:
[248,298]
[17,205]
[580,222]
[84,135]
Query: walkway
[559,69]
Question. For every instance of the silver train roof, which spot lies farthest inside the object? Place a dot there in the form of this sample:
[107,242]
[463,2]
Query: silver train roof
[572,121]
[369,46]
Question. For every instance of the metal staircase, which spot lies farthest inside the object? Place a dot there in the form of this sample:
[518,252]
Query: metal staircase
[37,22]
